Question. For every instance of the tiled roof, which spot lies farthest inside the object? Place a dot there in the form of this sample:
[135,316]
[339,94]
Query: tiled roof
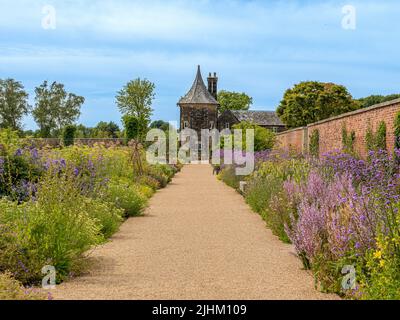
[198,93]
[262,118]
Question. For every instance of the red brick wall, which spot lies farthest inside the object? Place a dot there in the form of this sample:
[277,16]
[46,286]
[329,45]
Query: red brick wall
[330,130]
[292,139]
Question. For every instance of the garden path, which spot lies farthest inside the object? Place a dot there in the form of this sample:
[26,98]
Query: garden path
[197,240]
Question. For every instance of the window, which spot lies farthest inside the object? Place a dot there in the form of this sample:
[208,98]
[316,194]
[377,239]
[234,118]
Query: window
[227,126]
[185,124]
[274,129]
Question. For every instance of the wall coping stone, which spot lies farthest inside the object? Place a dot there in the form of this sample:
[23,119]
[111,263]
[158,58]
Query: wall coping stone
[359,111]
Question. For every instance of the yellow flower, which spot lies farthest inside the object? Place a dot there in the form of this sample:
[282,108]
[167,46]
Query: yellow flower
[382,263]
[378,254]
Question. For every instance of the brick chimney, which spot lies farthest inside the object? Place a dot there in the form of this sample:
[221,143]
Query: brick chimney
[213,84]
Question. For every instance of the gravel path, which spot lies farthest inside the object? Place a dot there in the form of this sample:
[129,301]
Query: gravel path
[198,240]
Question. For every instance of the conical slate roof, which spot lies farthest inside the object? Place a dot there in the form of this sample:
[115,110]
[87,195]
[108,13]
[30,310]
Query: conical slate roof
[198,93]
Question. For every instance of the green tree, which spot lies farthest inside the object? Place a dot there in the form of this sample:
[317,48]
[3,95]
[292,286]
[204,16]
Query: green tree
[160,124]
[264,139]
[55,108]
[13,104]
[136,98]
[106,130]
[135,128]
[376,99]
[312,101]
[234,101]
[69,135]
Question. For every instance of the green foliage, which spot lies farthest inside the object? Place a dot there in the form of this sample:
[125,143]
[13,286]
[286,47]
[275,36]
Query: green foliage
[9,141]
[380,280]
[266,196]
[78,201]
[376,141]
[234,101]
[381,136]
[312,101]
[135,99]
[314,143]
[11,289]
[13,104]
[264,139]
[135,128]
[229,176]
[55,108]
[348,140]
[68,135]
[160,124]
[126,196]
[397,130]
[376,99]
[106,130]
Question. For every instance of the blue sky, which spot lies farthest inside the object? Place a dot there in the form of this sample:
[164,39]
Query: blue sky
[258,47]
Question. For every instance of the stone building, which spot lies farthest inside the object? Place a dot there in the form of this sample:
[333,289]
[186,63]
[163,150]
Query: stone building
[199,107]
[265,119]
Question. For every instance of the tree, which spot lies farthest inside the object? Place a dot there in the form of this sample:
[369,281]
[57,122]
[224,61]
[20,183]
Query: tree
[55,108]
[135,99]
[376,99]
[13,104]
[264,139]
[234,101]
[106,130]
[135,129]
[312,101]
[160,124]
[69,135]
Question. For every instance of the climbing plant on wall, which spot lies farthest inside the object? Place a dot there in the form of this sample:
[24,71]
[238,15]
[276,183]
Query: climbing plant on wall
[380,138]
[314,143]
[376,141]
[348,139]
[397,130]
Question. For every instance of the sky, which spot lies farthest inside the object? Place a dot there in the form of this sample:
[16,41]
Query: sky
[261,48]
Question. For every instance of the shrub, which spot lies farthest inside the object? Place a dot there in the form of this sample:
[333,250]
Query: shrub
[376,141]
[11,289]
[68,135]
[127,197]
[265,193]
[107,215]
[348,140]
[135,128]
[157,172]
[56,229]
[314,144]
[381,136]
[229,176]
[263,138]
[150,182]
[397,130]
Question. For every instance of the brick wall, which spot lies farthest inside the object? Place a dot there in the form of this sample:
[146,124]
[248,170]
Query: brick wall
[294,139]
[330,130]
